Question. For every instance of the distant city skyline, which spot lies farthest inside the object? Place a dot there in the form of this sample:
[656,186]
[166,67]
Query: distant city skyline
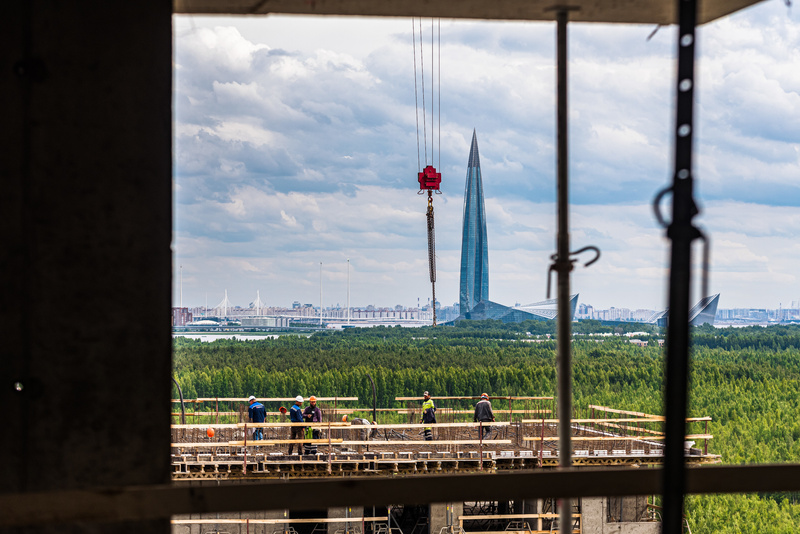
[295,144]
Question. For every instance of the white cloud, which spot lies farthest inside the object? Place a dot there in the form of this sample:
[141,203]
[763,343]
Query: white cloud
[295,143]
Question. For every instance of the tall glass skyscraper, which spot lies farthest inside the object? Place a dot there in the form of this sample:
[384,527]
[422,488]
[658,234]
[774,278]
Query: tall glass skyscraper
[474,246]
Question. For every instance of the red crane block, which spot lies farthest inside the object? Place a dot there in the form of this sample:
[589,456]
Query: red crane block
[429,179]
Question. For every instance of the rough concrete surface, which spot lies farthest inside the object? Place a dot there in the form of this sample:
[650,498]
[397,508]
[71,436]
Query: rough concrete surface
[85,159]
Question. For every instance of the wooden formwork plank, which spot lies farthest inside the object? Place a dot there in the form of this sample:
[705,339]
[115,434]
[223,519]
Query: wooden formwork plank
[472,398]
[377,442]
[255,443]
[511,516]
[433,425]
[277,521]
[654,419]
[615,438]
[626,412]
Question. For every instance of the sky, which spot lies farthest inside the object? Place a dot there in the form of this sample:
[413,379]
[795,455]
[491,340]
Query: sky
[295,145]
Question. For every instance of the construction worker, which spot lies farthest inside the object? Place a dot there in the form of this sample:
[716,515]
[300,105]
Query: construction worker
[312,414]
[257,414]
[484,414]
[296,416]
[428,415]
[365,434]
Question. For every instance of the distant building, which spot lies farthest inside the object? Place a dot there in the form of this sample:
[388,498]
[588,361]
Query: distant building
[181,316]
[546,310]
[474,286]
[703,312]
[474,303]
[274,322]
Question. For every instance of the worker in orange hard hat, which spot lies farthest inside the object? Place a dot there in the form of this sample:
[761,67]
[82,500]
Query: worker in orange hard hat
[484,414]
[312,414]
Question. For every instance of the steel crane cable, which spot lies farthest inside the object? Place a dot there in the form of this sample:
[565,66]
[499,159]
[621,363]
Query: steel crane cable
[429,179]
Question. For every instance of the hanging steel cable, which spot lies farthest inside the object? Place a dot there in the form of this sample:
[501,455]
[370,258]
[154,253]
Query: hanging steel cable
[416,99]
[422,82]
[429,179]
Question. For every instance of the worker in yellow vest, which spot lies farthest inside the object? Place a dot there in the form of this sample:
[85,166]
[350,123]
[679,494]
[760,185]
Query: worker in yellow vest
[428,415]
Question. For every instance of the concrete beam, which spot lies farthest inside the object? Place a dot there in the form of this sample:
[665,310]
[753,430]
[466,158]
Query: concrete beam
[625,11]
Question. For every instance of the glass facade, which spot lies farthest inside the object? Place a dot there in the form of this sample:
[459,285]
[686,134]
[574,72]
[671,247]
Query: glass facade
[474,286]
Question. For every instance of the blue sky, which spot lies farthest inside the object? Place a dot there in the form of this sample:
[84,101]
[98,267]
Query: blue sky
[295,144]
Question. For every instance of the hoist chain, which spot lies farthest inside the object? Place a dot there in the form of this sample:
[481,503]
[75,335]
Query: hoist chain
[432,252]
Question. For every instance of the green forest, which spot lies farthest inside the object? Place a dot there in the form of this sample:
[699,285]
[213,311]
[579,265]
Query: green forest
[746,379]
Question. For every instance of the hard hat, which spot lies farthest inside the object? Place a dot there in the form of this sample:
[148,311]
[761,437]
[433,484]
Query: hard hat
[426,394]
[484,395]
[299,399]
[344,419]
[251,398]
[312,398]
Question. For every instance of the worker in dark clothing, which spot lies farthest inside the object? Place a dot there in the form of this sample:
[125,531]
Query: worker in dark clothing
[428,416]
[484,414]
[296,416]
[257,414]
[312,414]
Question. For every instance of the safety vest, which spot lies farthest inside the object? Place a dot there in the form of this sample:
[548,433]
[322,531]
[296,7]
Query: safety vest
[426,405]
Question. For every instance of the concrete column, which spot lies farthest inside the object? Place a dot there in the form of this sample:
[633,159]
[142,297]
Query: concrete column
[85,160]
[593,515]
[350,511]
[532,506]
[442,515]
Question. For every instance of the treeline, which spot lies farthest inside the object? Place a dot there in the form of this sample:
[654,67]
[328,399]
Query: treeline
[746,379]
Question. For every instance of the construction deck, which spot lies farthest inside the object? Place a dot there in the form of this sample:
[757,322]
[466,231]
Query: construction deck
[343,449]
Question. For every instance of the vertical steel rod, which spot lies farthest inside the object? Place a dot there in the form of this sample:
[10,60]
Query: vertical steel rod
[563,267]
[681,231]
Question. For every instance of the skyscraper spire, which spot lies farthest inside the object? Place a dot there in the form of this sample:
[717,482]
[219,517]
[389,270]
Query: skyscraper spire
[474,246]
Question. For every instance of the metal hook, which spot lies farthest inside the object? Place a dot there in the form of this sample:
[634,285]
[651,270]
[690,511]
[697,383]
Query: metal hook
[549,272]
[657,206]
[698,234]
[584,249]
[554,258]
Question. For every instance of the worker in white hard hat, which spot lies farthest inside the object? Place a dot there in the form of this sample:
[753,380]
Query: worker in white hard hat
[484,413]
[257,414]
[296,416]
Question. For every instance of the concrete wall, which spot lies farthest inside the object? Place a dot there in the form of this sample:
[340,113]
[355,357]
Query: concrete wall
[441,515]
[85,161]
[228,527]
[594,513]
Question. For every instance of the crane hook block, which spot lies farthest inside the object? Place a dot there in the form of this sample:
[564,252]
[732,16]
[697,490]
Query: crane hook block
[429,179]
